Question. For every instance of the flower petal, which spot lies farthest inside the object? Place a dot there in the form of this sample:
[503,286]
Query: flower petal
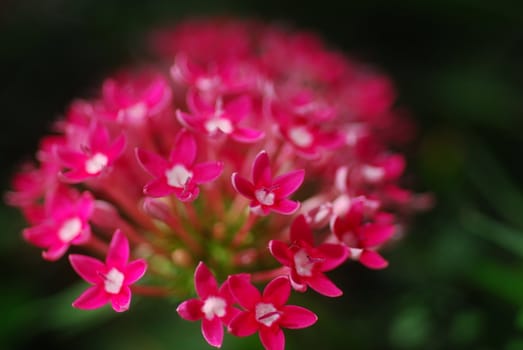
[280,251]
[243,325]
[87,267]
[272,338]
[301,231]
[118,253]
[286,207]
[242,186]
[296,317]
[212,331]
[243,291]
[204,281]
[277,291]
[121,301]
[335,255]
[247,135]
[153,163]
[321,284]
[238,108]
[135,270]
[373,235]
[373,260]
[158,188]
[207,172]
[261,170]
[288,183]
[93,298]
[184,150]
[191,310]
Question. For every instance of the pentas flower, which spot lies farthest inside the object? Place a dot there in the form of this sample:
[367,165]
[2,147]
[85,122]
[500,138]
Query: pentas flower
[251,147]
[214,305]
[267,193]
[111,280]
[308,261]
[267,313]
[178,174]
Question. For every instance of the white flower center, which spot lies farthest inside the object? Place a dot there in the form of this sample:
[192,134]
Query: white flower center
[207,83]
[303,263]
[70,229]
[113,281]
[214,306]
[355,253]
[133,114]
[96,163]
[178,176]
[266,314]
[264,197]
[372,173]
[221,124]
[300,136]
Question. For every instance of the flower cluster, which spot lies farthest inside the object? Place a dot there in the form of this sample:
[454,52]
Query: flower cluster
[246,153]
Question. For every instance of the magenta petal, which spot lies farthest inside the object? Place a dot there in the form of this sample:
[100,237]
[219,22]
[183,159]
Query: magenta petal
[117,147]
[277,291]
[75,176]
[55,251]
[243,325]
[301,231]
[87,267]
[190,310]
[296,317]
[93,298]
[286,207]
[335,255]
[206,172]
[184,150]
[261,170]
[99,138]
[321,284]
[243,291]
[247,135]
[118,253]
[121,301]
[242,185]
[376,234]
[158,188]
[212,331]
[42,235]
[288,183]
[238,108]
[151,162]
[280,251]
[135,270]
[204,281]
[272,338]
[373,260]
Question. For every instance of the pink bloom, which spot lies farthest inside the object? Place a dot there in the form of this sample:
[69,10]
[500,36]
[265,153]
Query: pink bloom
[308,262]
[222,118]
[213,305]
[96,156]
[363,235]
[178,174]
[65,224]
[268,194]
[110,280]
[267,313]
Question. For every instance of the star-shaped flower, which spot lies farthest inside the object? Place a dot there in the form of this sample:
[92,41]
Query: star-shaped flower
[110,280]
[178,174]
[267,193]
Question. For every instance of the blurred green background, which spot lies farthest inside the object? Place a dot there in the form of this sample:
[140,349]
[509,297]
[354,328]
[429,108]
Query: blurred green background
[454,282]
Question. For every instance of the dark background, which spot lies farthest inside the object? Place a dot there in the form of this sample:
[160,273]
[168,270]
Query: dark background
[455,282]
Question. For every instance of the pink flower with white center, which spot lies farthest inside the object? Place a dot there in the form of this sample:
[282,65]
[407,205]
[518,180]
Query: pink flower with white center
[66,223]
[131,99]
[94,158]
[267,313]
[214,305]
[364,235]
[220,119]
[267,193]
[307,262]
[178,174]
[110,280]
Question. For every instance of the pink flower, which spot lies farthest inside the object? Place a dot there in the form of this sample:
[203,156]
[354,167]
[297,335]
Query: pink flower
[178,174]
[213,305]
[364,234]
[110,280]
[222,118]
[267,313]
[65,224]
[96,156]
[268,194]
[307,261]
